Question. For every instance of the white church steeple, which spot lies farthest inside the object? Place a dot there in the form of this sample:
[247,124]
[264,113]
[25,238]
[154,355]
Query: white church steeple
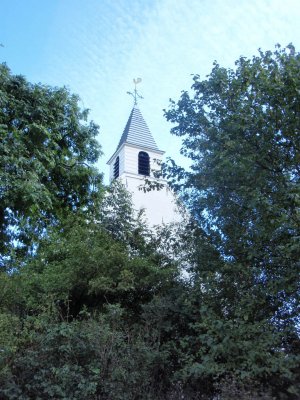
[137,156]
[137,153]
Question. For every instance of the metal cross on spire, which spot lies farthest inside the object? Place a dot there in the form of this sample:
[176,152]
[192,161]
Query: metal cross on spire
[135,94]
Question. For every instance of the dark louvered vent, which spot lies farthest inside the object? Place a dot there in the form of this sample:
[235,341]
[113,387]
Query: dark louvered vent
[144,163]
[117,168]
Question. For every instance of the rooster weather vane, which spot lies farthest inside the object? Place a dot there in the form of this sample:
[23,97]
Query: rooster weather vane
[135,94]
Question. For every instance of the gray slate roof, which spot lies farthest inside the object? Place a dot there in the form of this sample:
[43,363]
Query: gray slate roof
[136,132]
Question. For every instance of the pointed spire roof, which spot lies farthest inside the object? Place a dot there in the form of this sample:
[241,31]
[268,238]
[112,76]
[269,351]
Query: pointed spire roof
[137,133]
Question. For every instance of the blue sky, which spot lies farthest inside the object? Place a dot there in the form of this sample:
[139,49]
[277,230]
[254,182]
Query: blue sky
[96,48]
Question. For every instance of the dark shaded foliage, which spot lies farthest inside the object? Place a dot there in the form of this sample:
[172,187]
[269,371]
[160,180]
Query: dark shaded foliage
[47,149]
[240,129]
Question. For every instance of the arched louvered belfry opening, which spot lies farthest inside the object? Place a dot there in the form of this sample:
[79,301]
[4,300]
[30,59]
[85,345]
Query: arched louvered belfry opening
[117,168]
[144,163]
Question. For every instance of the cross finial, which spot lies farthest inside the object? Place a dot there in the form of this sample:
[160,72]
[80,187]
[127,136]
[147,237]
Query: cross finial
[135,94]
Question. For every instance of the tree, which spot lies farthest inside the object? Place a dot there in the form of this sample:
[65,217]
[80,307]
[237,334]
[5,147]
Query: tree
[118,218]
[74,313]
[47,149]
[80,265]
[240,130]
[88,358]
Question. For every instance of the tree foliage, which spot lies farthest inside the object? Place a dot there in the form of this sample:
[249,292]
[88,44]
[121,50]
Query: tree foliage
[240,129]
[46,152]
[72,321]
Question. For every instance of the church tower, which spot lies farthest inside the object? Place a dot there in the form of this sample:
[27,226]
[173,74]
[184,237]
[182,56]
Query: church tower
[137,157]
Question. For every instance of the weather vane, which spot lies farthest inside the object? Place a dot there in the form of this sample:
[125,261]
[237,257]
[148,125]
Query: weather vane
[135,94]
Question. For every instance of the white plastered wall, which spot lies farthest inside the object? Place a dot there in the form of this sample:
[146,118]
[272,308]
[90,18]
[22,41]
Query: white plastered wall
[159,205]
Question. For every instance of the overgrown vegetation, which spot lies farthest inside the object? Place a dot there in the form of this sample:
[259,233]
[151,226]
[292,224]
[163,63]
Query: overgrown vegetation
[94,305]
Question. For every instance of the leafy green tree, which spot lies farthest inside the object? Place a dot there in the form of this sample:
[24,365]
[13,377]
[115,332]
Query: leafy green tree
[240,129]
[78,316]
[118,217]
[79,264]
[88,358]
[47,149]
[74,312]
